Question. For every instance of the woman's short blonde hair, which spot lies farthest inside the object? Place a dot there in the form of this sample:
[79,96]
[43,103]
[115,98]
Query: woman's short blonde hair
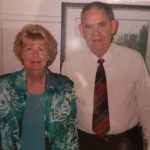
[35,32]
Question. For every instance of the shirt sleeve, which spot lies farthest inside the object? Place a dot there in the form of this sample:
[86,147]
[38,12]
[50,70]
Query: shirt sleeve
[143,99]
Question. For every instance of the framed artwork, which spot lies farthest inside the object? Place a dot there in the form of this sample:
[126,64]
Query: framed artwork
[133,29]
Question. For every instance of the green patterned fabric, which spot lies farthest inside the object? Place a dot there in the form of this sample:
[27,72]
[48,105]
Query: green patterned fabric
[59,111]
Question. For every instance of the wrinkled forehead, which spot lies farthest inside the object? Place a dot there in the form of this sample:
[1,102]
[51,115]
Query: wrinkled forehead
[94,15]
[98,11]
[92,11]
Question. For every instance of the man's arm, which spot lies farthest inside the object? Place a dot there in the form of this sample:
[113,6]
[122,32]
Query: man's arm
[143,99]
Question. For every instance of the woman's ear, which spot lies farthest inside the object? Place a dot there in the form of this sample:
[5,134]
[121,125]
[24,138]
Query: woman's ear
[48,58]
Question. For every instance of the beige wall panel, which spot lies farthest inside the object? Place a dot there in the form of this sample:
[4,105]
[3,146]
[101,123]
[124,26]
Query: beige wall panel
[10,29]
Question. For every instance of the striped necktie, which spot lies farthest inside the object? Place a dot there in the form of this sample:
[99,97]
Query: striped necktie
[100,113]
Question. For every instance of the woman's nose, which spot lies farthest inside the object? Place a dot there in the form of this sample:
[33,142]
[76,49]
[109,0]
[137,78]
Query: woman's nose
[35,53]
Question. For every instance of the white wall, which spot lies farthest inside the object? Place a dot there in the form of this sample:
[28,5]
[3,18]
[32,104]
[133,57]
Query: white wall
[14,14]
[0,38]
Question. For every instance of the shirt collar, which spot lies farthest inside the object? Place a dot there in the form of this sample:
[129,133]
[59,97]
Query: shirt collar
[106,56]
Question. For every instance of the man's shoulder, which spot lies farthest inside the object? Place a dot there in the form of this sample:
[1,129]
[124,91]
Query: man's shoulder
[124,51]
[75,61]
[78,55]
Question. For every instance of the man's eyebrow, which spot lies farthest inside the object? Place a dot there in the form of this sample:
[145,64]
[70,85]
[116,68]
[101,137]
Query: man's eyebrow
[102,22]
[87,25]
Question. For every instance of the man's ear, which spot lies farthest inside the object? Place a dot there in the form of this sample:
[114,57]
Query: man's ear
[114,26]
[80,28]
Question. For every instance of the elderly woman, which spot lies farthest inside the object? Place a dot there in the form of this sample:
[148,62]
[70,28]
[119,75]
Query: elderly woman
[37,107]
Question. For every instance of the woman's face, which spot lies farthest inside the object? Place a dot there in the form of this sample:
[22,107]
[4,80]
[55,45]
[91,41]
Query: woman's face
[34,55]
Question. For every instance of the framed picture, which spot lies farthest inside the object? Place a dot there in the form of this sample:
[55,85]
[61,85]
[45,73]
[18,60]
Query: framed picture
[133,29]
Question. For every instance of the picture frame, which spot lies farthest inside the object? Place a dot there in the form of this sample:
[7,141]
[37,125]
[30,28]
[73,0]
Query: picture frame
[133,30]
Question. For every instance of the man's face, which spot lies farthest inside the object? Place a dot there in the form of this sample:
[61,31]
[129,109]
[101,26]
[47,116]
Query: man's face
[97,30]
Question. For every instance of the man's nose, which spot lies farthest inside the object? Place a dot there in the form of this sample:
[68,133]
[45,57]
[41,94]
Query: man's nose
[96,29]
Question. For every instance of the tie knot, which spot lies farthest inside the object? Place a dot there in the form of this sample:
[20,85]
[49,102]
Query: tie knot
[100,61]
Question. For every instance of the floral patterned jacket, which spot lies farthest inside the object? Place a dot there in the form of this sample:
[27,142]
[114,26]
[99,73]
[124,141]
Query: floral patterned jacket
[59,111]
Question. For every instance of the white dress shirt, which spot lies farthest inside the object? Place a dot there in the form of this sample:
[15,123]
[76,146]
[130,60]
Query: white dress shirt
[128,84]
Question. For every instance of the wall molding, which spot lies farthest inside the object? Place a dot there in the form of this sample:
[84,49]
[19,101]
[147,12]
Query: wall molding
[37,18]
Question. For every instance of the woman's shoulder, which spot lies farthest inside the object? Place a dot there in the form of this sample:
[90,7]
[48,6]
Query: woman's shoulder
[6,81]
[10,77]
[58,80]
[7,76]
[61,78]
